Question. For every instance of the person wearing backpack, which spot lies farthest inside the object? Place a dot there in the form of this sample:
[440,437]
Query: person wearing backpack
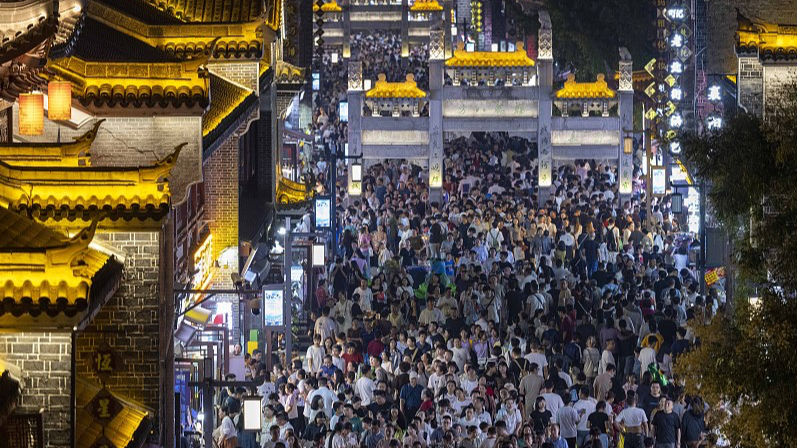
[592,359]
[612,238]
[495,237]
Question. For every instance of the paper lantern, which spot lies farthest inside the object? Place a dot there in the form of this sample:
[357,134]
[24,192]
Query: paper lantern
[59,100]
[31,113]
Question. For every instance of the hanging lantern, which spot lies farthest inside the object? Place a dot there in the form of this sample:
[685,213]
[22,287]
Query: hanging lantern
[59,100]
[31,113]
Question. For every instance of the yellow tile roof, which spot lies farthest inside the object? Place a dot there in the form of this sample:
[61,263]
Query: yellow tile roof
[225,98]
[330,6]
[291,192]
[86,188]
[426,6]
[187,40]
[517,58]
[597,89]
[771,40]
[119,431]
[51,154]
[37,263]
[403,89]
[135,83]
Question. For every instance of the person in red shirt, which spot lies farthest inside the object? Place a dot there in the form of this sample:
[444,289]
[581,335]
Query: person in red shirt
[376,346]
[568,325]
[352,355]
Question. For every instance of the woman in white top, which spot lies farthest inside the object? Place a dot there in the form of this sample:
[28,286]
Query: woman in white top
[226,435]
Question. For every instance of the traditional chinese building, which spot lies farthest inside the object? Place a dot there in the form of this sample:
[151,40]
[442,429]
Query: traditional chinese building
[767,57]
[174,119]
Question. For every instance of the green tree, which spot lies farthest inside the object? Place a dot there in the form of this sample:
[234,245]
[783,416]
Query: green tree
[746,361]
[587,33]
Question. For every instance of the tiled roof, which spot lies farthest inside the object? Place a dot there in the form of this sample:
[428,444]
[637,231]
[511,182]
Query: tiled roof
[587,90]
[85,192]
[329,6]
[426,6]
[120,431]
[17,231]
[44,271]
[210,11]
[228,101]
[143,11]
[101,43]
[134,84]
[403,89]
[517,58]
[771,41]
[66,154]
[186,40]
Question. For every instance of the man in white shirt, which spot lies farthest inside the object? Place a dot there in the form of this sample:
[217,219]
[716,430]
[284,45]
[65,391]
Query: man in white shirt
[537,357]
[327,395]
[430,314]
[552,400]
[584,406]
[634,422]
[365,386]
[366,296]
[510,415]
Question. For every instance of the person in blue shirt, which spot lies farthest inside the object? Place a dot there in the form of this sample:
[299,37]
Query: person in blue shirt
[555,439]
[410,397]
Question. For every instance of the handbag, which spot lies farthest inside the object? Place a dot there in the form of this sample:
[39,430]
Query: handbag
[231,442]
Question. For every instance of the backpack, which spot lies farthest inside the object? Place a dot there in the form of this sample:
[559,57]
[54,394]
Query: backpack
[591,364]
[572,355]
[492,238]
[611,240]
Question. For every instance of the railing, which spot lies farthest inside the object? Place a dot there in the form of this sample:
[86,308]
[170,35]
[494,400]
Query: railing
[22,431]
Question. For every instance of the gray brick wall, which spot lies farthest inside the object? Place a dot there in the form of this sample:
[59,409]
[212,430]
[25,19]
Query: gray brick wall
[44,358]
[751,84]
[130,321]
[245,73]
[722,26]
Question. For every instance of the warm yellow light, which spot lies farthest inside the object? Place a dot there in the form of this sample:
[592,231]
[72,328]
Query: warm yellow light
[628,145]
[31,113]
[545,180]
[355,188]
[59,100]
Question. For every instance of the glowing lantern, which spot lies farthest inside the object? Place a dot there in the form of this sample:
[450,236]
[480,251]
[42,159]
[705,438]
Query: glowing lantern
[31,113]
[59,100]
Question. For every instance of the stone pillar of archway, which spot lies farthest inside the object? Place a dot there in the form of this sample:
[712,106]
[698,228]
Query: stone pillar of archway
[625,91]
[436,58]
[355,95]
[545,79]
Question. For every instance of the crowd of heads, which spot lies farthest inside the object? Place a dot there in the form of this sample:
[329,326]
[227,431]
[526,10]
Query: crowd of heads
[494,313]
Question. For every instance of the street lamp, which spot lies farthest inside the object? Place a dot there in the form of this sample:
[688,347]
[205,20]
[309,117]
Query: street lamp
[319,255]
[628,145]
[356,172]
[252,410]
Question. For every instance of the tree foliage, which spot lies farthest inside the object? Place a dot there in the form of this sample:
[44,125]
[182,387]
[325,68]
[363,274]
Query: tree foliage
[746,361]
[587,34]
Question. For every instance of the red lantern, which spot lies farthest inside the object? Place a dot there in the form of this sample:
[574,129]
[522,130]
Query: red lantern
[59,100]
[31,113]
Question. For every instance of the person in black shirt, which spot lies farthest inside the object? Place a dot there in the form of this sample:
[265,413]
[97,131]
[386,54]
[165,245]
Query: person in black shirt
[540,416]
[666,427]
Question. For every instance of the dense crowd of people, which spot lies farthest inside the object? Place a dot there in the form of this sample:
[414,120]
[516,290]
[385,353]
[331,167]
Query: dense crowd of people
[499,317]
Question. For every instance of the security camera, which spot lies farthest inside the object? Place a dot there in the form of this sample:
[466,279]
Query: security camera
[254,305]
